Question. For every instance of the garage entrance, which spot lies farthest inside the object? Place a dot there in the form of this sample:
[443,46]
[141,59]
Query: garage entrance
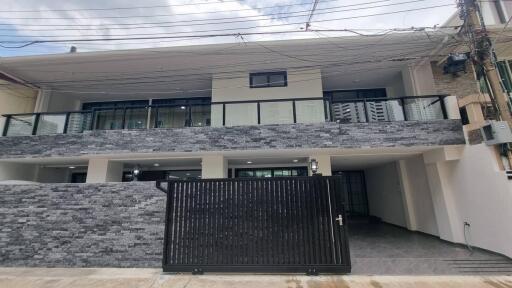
[270,225]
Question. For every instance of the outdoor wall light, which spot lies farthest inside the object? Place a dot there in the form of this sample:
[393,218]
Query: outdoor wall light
[249,162]
[295,160]
[135,172]
[71,167]
[183,107]
[313,164]
[156,164]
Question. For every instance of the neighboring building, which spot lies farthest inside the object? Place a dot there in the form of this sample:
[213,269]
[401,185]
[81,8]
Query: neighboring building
[379,111]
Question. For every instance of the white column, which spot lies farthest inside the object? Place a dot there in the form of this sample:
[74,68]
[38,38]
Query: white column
[406,189]
[104,170]
[324,164]
[43,100]
[214,166]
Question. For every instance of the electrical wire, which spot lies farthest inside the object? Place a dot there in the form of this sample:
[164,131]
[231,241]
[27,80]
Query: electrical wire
[182,23]
[195,13]
[210,35]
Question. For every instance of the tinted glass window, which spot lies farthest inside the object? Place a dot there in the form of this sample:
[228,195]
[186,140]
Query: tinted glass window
[268,79]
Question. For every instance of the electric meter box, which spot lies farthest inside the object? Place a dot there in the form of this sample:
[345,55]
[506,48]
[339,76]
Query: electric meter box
[496,132]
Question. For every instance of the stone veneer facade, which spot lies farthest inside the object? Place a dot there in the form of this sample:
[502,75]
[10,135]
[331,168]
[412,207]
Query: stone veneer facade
[261,137]
[82,225]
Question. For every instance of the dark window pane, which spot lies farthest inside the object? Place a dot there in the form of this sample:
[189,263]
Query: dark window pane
[276,80]
[259,81]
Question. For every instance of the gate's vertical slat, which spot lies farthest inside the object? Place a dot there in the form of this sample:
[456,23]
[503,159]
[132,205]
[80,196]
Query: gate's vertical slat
[231,222]
[181,219]
[286,224]
[239,225]
[327,187]
[316,229]
[326,218]
[188,222]
[322,195]
[215,197]
[222,216]
[297,238]
[245,219]
[211,223]
[199,216]
[257,221]
[201,223]
[293,234]
[335,201]
[265,246]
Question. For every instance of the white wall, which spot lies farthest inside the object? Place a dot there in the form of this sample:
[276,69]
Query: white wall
[418,80]
[419,212]
[384,194]
[483,197]
[301,84]
[16,99]
[104,170]
[17,171]
[59,102]
[396,87]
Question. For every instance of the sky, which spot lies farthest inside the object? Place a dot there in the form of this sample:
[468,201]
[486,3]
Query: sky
[25,21]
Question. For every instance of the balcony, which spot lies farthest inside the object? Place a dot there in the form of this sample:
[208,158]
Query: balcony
[234,113]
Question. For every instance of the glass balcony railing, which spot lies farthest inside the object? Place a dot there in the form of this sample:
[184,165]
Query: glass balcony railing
[235,113]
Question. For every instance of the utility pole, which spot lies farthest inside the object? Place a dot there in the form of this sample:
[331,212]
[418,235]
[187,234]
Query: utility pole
[481,48]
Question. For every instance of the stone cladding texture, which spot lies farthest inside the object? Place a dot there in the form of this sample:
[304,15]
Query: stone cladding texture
[82,225]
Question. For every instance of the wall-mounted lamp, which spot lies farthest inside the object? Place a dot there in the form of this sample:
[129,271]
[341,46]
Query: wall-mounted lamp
[313,165]
[136,172]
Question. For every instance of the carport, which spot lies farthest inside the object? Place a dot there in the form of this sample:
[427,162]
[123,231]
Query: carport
[392,226]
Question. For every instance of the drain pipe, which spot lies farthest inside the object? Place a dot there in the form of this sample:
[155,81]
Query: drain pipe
[467,238]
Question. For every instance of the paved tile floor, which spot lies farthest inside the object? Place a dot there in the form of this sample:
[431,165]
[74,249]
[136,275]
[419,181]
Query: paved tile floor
[383,249]
[152,278]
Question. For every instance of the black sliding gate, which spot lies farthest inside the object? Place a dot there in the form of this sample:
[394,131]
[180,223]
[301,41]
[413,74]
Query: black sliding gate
[269,225]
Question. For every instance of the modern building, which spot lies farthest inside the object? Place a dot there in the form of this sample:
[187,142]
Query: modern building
[78,168]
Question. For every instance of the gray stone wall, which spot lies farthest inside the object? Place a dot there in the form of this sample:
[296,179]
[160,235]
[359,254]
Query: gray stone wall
[262,137]
[82,225]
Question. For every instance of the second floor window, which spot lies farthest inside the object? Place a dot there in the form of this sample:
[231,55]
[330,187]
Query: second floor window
[268,79]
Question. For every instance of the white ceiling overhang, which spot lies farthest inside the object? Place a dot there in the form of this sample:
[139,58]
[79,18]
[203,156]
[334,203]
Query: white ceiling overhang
[342,60]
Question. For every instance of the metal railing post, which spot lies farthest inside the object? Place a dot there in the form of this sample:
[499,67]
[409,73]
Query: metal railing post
[443,107]
[223,114]
[402,101]
[294,109]
[92,124]
[66,123]
[365,111]
[36,123]
[157,115]
[6,125]
[123,126]
[258,109]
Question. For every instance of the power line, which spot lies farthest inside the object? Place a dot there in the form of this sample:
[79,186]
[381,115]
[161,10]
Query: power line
[185,14]
[211,35]
[124,8]
[246,19]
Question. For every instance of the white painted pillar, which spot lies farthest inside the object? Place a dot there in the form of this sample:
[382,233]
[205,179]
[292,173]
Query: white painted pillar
[449,223]
[104,170]
[214,166]
[324,164]
[406,189]
[43,100]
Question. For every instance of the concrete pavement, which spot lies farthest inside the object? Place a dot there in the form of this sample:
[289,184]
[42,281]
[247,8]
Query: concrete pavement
[153,278]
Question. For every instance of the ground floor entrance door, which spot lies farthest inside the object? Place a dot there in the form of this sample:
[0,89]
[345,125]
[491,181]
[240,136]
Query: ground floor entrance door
[270,225]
